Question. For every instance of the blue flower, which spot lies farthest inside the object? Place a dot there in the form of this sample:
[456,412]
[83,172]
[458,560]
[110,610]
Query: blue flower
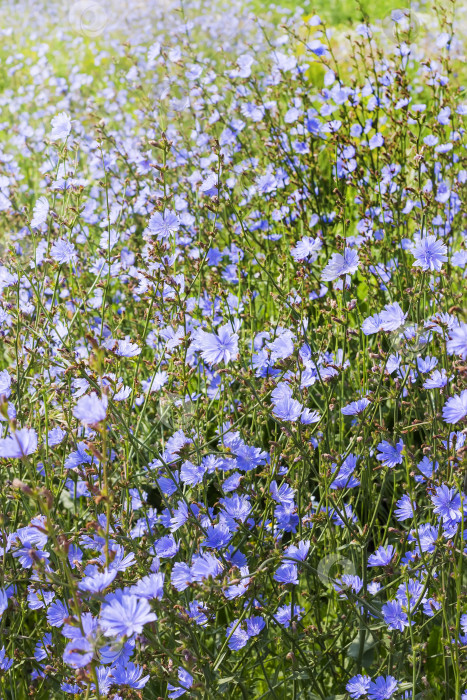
[287,409]
[192,474]
[405,508]
[284,494]
[236,506]
[443,193]
[61,127]
[390,455]
[382,557]
[372,324]
[31,537]
[124,615]
[281,348]
[283,614]
[217,347]
[337,515]
[57,614]
[355,407]
[28,555]
[181,576]
[427,468]
[90,409]
[3,601]
[104,680]
[426,364]
[427,535]
[409,594]
[40,650]
[218,536]
[129,675]
[63,251]
[299,553]
[55,436]
[150,587]
[457,343]
[78,653]
[22,443]
[39,599]
[97,582]
[5,662]
[180,516]
[232,482]
[196,612]
[254,625]
[437,380]
[394,616]
[376,141]
[355,583]
[125,348]
[455,408]
[358,686]
[447,503]
[455,441]
[389,319]
[204,566]
[5,384]
[286,573]
[163,225]
[356,130]
[116,652]
[307,249]
[345,478]
[166,547]
[309,417]
[240,587]
[382,688]
[392,317]
[238,636]
[186,681]
[429,253]
[430,606]
[71,689]
[339,265]
[87,630]
[248,458]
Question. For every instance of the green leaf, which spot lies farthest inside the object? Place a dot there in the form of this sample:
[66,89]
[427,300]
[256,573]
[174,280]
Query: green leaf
[434,657]
[368,655]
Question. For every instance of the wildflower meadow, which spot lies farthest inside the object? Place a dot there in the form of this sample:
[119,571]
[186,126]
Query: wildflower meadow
[233,350]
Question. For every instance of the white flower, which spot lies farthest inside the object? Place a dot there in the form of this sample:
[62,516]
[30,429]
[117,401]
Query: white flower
[40,212]
[61,127]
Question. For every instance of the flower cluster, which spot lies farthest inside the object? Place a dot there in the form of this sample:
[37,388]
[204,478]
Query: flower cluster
[233,381]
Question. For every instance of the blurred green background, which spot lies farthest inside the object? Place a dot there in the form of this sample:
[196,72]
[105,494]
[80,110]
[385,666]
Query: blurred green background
[339,12]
